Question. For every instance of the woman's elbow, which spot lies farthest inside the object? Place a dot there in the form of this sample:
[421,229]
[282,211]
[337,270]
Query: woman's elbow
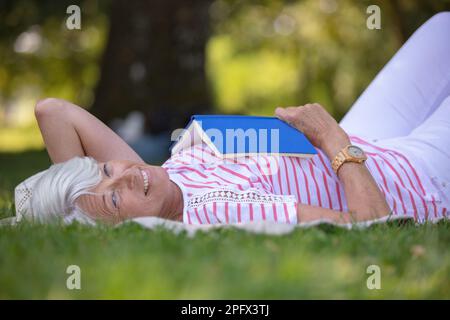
[47,106]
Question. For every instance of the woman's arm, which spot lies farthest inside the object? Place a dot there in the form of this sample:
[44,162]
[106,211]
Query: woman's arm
[364,199]
[71,131]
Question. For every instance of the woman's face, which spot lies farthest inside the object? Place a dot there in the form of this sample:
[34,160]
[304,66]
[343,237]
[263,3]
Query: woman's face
[127,190]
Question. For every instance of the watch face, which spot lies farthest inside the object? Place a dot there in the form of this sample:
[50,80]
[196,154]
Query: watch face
[355,151]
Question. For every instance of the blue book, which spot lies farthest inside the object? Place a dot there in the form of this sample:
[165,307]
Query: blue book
[236,135]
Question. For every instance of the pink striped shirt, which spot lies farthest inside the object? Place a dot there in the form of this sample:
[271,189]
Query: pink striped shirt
[255,188]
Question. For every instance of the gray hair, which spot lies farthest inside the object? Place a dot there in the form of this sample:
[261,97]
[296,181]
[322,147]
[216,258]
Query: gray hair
[52,194]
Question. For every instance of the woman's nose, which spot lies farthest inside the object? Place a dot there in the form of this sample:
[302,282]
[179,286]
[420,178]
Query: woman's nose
[126,179]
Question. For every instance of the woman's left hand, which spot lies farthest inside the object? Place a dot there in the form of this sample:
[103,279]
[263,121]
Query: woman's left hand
[316,124]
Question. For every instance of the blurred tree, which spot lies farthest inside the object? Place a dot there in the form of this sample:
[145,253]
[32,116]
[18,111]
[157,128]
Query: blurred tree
[407,15]
[40,57]
[154,62]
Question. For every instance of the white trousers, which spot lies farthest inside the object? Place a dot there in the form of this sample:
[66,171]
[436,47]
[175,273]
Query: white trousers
[407,105]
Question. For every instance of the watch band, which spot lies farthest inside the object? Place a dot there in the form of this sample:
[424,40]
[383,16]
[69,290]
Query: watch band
[343,157]
[338,161]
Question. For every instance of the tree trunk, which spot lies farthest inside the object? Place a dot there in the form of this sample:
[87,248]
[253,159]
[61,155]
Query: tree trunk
[154,62]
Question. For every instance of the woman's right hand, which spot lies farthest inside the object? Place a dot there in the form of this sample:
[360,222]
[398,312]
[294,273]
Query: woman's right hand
[317,125]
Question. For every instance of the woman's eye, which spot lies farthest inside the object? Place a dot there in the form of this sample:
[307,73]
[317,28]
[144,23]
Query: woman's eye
[114,199]
[105,170]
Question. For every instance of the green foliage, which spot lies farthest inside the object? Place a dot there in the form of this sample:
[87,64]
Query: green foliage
[40,57]
[251,82]
[261,54]
[270,53]
[14,168]
[20,138]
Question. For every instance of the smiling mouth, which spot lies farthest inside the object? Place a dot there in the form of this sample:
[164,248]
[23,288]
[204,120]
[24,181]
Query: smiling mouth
[145,177]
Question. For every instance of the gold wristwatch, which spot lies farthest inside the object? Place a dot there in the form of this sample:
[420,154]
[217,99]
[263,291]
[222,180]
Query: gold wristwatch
[350,153]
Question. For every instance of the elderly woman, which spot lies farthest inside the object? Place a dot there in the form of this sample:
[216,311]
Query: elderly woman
[390,155]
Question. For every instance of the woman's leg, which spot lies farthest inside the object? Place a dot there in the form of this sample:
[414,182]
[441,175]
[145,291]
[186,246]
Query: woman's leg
[409,88]
[429,143]
[428,149]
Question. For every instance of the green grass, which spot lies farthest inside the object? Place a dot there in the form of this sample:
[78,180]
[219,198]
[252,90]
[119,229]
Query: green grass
[132,262]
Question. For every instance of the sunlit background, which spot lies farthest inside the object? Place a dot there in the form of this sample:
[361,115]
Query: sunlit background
[257,55]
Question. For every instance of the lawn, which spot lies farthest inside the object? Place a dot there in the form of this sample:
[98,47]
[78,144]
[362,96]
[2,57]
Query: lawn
[132,262]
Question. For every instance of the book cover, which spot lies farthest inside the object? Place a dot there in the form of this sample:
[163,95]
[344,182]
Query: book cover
[236,135]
